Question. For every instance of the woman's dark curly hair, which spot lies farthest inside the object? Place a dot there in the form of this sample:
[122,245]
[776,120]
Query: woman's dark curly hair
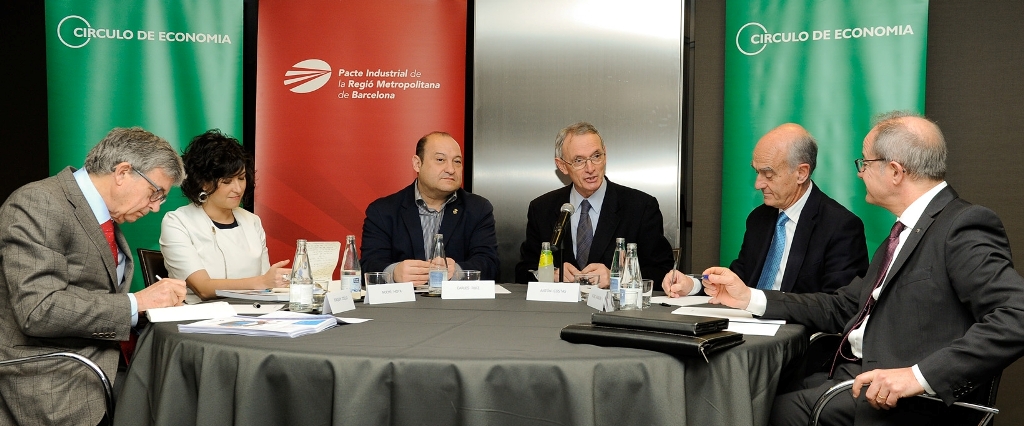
[213,156]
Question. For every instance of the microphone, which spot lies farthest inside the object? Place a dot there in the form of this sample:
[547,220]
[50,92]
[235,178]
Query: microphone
[566,211]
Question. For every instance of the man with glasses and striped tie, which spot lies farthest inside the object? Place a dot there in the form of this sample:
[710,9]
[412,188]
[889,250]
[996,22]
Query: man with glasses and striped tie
[603,211]
[939,311]
[800,240]
[65,271]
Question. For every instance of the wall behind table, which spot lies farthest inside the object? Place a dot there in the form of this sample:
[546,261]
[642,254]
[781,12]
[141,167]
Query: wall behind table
[974,90]
[328,145]
[541,65]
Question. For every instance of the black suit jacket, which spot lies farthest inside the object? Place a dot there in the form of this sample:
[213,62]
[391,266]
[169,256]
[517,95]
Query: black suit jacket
[828,247]
[952,302]
[625,213]
[392,232]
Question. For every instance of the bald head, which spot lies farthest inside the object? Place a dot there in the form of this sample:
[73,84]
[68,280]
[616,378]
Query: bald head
[793,142]
[913,141]
[784,159]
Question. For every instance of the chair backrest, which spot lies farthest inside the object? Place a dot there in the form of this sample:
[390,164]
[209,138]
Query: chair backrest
[152,264]
[104,381]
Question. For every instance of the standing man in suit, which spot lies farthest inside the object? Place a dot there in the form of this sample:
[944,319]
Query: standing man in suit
[398,232]
[604,211]
[799,240]
[65,270]
[940,310]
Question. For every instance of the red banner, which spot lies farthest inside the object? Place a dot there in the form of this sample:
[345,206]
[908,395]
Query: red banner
[344,91]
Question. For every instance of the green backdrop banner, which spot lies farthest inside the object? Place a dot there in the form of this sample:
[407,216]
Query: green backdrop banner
[828,65]
[173,67]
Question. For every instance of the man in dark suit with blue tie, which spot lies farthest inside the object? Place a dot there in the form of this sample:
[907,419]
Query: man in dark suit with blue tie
[399,229]
[799,240]
[939,311]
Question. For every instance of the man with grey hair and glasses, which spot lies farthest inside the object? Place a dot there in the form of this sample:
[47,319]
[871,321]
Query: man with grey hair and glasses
[65,271]
[800,240]
[940,310]
[603,212]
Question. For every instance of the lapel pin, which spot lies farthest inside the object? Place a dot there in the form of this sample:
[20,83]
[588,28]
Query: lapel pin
[455,211]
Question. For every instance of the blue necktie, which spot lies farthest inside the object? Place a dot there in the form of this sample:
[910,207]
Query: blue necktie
[584,235]
[771,263]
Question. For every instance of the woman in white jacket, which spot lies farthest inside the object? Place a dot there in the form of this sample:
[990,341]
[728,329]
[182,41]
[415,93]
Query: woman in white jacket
[212,243]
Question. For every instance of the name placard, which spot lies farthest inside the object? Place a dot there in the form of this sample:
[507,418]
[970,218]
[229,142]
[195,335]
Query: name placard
[467,289]
[338,301]
[378,294]
[600,299]
[553,292]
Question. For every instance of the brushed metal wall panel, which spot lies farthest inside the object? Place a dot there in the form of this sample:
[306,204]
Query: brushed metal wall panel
[540,65]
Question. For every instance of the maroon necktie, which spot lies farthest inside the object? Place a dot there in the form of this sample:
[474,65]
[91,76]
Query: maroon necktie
[127,346]
[890,250]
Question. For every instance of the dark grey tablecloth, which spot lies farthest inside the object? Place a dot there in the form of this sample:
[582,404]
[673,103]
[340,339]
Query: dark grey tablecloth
[446,362]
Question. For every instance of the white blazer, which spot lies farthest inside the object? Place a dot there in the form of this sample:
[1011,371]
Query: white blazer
[189,242]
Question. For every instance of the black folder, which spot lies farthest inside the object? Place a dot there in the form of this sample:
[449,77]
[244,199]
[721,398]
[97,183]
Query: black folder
[660,321]
[669,343]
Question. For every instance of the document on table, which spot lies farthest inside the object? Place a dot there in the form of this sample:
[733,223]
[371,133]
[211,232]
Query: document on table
[190,312]
[740,321]
[680,301]
[277,324]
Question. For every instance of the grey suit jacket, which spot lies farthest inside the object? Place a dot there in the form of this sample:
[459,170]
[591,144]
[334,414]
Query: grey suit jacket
[58,292]
[953,303]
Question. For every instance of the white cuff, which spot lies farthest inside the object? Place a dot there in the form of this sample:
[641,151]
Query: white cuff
[758,302]
[697,286]
[135,309]
[920,379]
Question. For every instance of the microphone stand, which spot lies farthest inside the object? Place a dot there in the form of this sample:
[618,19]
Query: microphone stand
[561,263]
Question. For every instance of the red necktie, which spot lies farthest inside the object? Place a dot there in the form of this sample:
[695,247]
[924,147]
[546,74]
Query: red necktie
[108,231]
[890,250]
[128,346]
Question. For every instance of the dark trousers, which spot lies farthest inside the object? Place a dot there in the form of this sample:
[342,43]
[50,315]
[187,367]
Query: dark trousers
[795,408]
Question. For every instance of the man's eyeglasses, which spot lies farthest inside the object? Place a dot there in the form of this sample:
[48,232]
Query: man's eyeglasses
[862,163]
[158,195]
[579,162]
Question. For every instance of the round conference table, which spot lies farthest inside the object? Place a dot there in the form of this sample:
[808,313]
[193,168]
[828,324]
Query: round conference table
[446,362]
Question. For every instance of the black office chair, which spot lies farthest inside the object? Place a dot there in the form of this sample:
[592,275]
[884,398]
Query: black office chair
[108,391]
[822,348]
[152,264]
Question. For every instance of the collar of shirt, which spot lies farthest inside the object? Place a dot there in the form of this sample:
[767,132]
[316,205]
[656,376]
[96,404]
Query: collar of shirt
[909,219]
[423,204]
[793,212]
[913,212]
[92,196]
[596,200]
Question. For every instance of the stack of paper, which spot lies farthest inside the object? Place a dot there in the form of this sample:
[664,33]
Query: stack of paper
[268,295]
[276,324]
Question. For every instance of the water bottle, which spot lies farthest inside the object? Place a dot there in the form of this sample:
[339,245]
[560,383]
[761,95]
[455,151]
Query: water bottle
[300,293]
[618,260]
[630,285]
[438,266]
[546,266]
[350,270]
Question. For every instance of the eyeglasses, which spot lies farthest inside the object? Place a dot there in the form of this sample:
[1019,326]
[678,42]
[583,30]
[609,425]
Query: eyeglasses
[862,163]
[579,162]
[158,195]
